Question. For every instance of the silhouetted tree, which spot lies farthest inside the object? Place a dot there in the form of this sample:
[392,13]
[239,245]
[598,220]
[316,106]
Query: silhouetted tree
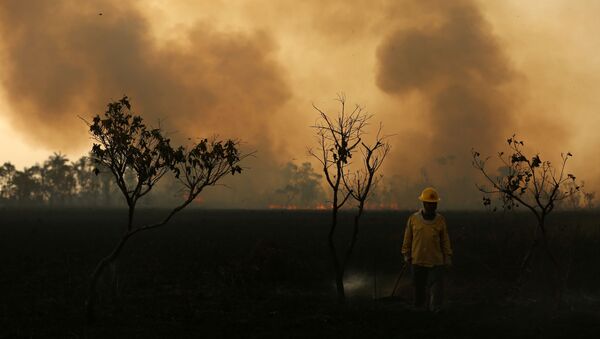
[7,185]
[29,186]
[338,136]
[87,183]
[59,179]
[533,183]
[124,144]
[94,187]
[57,182]
[588,198]
[360,183]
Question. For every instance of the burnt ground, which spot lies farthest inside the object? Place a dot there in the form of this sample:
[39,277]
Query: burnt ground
[267,274]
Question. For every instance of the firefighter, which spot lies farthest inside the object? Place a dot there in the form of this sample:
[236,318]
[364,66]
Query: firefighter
[427,248]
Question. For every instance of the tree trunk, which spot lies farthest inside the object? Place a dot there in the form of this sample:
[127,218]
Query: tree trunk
[339,274]
[90,302]
[130,212]
[352,243]
[525,264]
[558,281]
[542,238]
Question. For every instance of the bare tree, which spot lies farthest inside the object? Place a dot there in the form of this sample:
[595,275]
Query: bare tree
[360,183]
[124,144]
[338,137]
[534,184]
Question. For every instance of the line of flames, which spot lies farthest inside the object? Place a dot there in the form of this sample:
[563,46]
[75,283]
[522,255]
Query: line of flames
[321,206]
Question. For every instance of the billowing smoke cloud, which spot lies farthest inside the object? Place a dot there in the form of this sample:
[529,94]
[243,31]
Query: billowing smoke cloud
[456,65]
[68,58]
[433,71]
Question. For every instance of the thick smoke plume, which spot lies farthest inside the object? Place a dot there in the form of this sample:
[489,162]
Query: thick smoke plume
[435,73]
[456,65]
[68,58]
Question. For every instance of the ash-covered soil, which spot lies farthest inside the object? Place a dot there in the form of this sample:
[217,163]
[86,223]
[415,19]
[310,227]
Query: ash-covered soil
[268,274]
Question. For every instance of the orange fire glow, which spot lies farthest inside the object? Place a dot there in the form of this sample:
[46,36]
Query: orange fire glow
[317,207]
[382,206]
[282,207]
[320,207]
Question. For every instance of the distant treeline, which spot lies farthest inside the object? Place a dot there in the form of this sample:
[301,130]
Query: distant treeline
[57,181]
[61,182]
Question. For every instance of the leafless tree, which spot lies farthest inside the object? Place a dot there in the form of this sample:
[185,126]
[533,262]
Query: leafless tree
[534,184]
[338,135]
[360,183]
[124,145]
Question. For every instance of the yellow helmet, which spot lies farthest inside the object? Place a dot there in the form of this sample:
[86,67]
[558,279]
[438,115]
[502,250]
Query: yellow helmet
[429,195]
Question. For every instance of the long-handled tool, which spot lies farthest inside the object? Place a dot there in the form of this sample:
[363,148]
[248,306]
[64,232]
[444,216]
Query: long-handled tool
[402,270]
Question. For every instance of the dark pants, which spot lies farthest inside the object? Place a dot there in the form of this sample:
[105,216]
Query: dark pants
[432,278]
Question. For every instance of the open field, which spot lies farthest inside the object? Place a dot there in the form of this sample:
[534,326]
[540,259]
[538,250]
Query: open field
[268,274]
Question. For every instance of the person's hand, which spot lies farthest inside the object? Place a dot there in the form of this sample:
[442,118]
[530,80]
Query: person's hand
[448,262]
[407,259]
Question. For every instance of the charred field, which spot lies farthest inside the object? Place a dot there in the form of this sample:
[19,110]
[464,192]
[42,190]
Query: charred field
[257,274]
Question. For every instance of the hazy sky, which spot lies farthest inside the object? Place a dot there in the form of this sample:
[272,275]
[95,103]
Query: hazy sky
[443,76]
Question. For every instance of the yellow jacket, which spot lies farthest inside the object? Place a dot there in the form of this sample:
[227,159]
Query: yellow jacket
[426,242]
